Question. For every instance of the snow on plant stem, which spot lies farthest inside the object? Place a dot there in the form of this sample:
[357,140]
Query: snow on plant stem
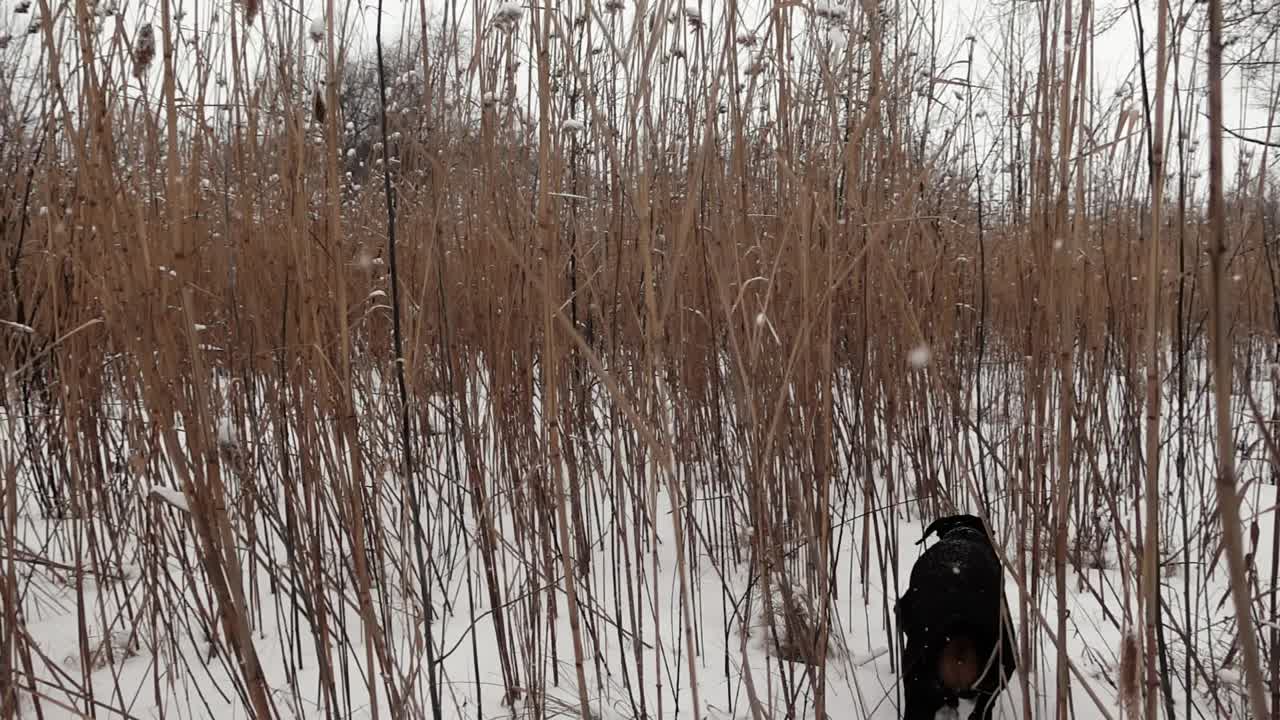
[171,497]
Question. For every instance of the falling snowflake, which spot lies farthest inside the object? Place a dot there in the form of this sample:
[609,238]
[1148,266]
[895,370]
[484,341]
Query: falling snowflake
[919,356]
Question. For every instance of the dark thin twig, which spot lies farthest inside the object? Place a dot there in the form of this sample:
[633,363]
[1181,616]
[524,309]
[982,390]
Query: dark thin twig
[409,474]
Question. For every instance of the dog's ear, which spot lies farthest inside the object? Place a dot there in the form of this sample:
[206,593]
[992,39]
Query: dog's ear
[941,526]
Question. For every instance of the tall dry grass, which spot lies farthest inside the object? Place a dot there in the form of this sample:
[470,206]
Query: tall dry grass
[298,339]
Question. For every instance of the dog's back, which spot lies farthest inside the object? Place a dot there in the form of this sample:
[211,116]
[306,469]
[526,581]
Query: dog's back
[956,581]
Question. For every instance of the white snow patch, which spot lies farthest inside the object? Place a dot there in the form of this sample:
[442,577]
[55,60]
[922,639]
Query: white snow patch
[837,40]
[171,496]
[508,14]
[227,435]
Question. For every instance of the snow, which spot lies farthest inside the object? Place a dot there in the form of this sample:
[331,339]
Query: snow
[227,436]
[171,496]
[508,15]
[630,600]
[837,40]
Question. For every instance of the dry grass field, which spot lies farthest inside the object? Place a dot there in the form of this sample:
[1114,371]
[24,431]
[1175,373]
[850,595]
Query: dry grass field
[605,359]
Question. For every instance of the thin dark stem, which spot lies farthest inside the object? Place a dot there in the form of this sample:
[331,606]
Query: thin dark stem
[409,475]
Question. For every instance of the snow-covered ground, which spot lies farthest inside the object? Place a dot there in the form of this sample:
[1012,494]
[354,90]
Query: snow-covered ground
[141,626]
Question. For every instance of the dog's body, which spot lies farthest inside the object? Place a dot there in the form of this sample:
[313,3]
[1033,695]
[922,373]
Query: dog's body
[960,642]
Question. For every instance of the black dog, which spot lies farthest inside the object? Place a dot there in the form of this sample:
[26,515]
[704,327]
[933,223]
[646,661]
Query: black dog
[960,641]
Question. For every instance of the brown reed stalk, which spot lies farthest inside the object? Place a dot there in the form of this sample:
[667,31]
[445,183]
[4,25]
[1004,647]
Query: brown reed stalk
[1062,256]
[1150,576]
[1220,349]
[550,358]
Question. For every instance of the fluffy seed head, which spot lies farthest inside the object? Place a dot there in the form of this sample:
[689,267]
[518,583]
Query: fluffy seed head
[144,50]
[1130,669]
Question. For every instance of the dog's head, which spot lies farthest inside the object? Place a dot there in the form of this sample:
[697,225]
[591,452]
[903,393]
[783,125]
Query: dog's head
[944,526]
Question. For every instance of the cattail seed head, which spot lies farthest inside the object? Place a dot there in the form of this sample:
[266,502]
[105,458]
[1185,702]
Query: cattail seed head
[144,50]
[1130,669]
